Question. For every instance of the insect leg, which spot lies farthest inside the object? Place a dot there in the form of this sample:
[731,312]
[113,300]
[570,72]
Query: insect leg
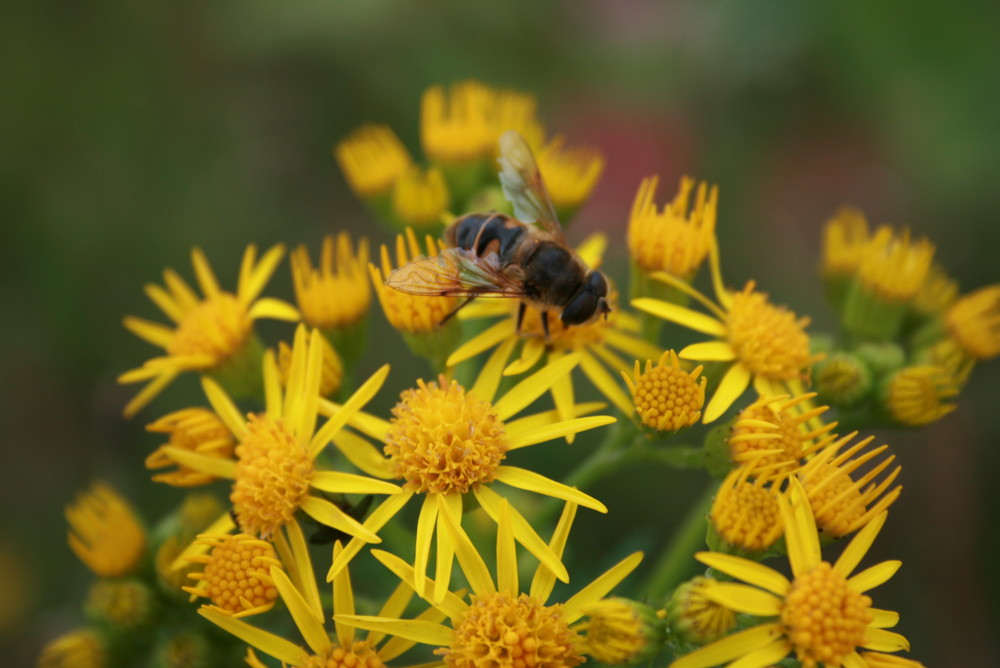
[455,310]
[520,317]
[545,325]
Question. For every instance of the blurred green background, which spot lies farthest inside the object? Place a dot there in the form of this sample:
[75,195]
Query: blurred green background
[132,131]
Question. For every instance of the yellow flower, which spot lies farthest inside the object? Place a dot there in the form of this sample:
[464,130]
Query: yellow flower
[83,648]
[845,239]
[696,618]
[333,369]
[412,314]
[937,293]
[105,533]
[666,397]
[570,174]
[619,630]
[822,615]
[840,504]
[346,649]
[745,513]
[974,322]
[195,429]
[598,343]
[236,574]
[761,342]
[778,433]
[457,127]
[420,198]
[676,239]
[121,604]
[209,333]
[274,472]
[335,294]
[501,620]
[917,395]
[892,267]
[447,444]
[372,158]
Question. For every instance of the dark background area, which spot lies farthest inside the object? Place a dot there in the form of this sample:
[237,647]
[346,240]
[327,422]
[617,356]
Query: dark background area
[132,131]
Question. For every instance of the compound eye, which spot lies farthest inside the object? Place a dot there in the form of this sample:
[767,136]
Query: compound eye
[597,284]
[581,308]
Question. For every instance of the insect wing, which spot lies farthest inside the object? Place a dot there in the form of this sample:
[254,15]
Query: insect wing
[523,185]
[457,272]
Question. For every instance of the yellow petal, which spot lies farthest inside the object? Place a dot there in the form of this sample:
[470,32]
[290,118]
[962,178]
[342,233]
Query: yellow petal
[450,604]
[521,428]
[709,351]
[360,397]
[153,332]
[149,392]
[332,516]
[749,571]
[801,537]
[364,455]
[523,532]
[393,607]
[276,646]
[531,352]
[730,388]
[768,655]
[577,605]
[874,576]
[545,579]
[535,482]
[224,407]
[744,598]
[445,547]
[683,316]
[859,545]
[731,647]
[552,431]
[428,633]
[397,645]
[252,282]
[214,466]
[532,387]
[881,640]
[351,483]
[506,555]
[884,619]
[309,625]
[343,602]
[469,559]
[203,271]
[489,377]
[606,383]
[273,309]
[374,523]
[482,341]
[426,522]
[165,301]
[273,402]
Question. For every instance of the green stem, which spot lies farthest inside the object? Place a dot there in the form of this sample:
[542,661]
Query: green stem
[676,563]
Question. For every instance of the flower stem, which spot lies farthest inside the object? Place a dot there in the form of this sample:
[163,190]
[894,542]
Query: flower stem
[676,563]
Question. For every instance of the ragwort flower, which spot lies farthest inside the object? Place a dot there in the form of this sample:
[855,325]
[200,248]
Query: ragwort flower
[501,621]
[761,342]
[448,443]
[822,615]
[212,334]
[335,294]
[105,533]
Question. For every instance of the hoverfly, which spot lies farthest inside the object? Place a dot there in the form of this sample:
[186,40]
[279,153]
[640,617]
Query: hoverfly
[524,257]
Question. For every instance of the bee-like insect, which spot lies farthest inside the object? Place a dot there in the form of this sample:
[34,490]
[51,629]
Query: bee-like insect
[525,257]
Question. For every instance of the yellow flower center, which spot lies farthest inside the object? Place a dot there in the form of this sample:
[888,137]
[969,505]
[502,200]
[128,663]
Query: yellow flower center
[570,173]
[824,618]
[273,471]
[745,514]
[614,631]
[123,604]
[442,439]
[501,631]
[768,339]
[336,294]
[236,577]
[666,397]
[697,618]
[677,239]
[420,197]
[197,430]
[372,158]
[917,394]
[974,321]
[217,327]
[358,655]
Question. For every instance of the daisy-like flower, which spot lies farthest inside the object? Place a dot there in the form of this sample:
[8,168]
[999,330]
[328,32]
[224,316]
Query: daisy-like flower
[761,342]
[236,574]
[456,127]
[83,648]
[600,344]
[448,443]
[840,504]
[845,239]
[410,314]
[345,649]
[778,433]
[212,334]
[570,174]
[420,198]
[620,630]
[937,293]
[696,618]
[122,604]
[372,158]
[196,429]
[335,294]
[666,397]
[821,615]
[274,472]
[501,622]
[919,395]
[105,533]
[974,323]
[676,239]
[745,512]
